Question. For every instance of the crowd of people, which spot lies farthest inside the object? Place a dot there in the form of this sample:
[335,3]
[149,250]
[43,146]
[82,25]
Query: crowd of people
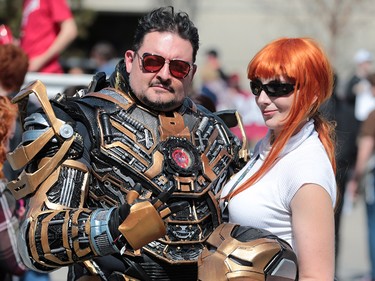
[361,176]
[224,91]
[135,177]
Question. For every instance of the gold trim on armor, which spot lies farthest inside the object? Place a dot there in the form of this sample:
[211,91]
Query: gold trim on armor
[113,100]
[126,132]
[23,154]
[222,264]
[39,89]
[155,168]
[120,144]
[36,202]
[75,235]
[243,153]
[173,127]
[27,183]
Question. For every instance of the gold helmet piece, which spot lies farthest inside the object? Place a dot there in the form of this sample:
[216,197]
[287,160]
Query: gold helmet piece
[235,252]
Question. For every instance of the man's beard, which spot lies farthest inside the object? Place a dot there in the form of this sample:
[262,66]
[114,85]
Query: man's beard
[158,105]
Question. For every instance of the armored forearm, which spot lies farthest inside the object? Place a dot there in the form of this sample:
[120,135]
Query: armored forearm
[59,230]
[55,238]
[51,239]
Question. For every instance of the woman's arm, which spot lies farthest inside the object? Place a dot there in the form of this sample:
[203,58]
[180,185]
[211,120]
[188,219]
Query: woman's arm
[313,230]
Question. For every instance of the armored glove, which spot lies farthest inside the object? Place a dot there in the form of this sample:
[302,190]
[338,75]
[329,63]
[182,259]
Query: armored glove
[139,222]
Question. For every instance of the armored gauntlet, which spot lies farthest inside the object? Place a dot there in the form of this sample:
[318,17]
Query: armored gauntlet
[141,221]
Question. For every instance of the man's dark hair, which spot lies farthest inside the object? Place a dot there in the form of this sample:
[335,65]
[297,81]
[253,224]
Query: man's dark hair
[165,19]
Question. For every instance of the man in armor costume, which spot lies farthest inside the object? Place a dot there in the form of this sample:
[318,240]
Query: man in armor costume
[123,180]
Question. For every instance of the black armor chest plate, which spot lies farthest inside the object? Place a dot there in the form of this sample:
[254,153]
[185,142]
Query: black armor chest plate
[187,149]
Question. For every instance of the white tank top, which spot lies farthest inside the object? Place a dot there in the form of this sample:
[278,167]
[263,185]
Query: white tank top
[266,204]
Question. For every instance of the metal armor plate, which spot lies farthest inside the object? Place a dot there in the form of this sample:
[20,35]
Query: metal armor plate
[188,149]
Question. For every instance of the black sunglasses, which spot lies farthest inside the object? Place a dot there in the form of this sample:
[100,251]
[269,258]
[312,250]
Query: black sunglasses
[272,89]
[153,63]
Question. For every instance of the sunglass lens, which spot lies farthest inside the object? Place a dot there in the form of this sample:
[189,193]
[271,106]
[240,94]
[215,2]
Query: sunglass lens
[179,68]
[279,89]
[255,87]
[153,63]
[273,89]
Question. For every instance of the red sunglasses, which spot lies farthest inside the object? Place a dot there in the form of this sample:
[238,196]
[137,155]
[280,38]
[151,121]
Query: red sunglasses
[153,63]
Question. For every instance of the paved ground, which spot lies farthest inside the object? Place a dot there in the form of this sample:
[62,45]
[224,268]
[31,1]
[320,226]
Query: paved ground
[352,261]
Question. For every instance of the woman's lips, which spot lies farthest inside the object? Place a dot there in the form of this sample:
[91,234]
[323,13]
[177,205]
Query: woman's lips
[268,112]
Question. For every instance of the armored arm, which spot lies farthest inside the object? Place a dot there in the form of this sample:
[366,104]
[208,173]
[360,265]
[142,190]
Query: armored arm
[60,229]
[55,179]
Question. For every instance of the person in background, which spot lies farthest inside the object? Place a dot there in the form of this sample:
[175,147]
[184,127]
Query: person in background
[215,81]
[103,55]
[47,29]
[358,93]
[288,187]
[363,176]
[205,101]
[244,102]
[13,68]
[10,260]
[6,35]
[123,181]
[213,62]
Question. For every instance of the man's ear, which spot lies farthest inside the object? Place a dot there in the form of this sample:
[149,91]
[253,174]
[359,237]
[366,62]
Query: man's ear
[129,59]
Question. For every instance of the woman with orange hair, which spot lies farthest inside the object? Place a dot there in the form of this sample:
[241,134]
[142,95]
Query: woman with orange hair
[288,187]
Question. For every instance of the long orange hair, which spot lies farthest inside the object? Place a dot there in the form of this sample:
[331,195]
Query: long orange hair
[303,62]
[8,115]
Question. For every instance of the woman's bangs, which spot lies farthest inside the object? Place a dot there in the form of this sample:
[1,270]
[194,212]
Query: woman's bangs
[267,68]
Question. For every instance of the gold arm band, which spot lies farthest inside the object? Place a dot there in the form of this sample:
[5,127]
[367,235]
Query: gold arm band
[28,182]
[38,88]
[23,154]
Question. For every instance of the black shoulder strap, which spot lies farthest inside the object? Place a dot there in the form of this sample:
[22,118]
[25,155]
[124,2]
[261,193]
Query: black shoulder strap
[225,211]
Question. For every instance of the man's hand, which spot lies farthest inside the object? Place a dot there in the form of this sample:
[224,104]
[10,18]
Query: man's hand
[141,221]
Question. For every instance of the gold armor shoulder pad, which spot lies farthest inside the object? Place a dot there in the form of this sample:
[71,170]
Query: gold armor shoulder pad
[258,255]
[27,183]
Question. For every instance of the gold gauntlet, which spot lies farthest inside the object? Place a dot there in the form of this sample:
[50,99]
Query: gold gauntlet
[144,222]
[143,225]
